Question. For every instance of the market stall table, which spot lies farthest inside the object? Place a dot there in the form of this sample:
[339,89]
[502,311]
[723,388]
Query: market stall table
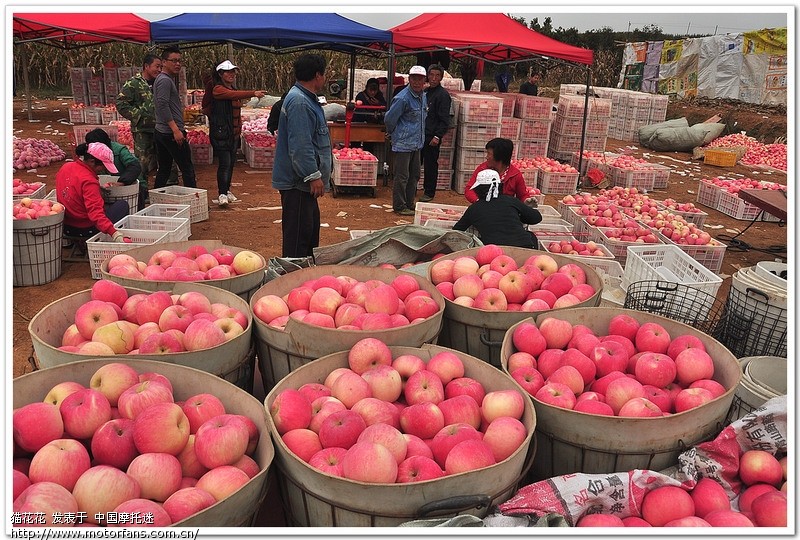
[771,201]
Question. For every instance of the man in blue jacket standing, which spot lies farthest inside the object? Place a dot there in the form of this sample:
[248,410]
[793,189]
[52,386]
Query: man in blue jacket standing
[405,125]
[303,158]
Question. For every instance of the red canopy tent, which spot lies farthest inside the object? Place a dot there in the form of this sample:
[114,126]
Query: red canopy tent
[494,37]
[70,30]
[74,30]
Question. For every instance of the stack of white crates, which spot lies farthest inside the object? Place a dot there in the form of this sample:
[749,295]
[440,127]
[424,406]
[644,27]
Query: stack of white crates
[534,131]
[479,120]
[565,138]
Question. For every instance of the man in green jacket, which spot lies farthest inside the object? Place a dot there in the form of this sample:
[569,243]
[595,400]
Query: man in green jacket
[135,102]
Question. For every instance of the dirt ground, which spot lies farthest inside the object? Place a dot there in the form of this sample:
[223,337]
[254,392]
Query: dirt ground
[250,223]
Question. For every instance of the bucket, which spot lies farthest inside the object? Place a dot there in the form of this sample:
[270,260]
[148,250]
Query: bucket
[316,499]
[236,510]
[282,351]
[480,333]
[37,250]
[764,377]
[754,322]
[227,360]
[129,193]
[576,442]
[243,285]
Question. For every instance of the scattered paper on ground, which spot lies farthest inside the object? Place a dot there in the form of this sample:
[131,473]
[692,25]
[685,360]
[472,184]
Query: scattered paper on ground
[402,222]
[341,214]
[324,225]
[343,229]
[375,206]
[713,226]
[387,205]
[733,231]
[277,221]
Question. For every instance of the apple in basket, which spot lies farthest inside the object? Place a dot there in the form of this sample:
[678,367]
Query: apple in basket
[344,302]
[113,323]
[468,430]
[97,465]
[634,369]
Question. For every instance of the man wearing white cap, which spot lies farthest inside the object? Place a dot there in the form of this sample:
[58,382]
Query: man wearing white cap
[500,219]
[405,125]
[78,189]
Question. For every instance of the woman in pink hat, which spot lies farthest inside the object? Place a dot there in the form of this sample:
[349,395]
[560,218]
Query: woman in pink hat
[78,189]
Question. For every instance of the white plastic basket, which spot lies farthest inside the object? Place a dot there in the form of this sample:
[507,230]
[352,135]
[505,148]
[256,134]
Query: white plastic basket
[101,247]
[669,263]
[177,229]
[166,210]
[196,198]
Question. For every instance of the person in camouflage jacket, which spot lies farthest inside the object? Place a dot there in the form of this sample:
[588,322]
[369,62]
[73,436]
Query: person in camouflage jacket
[135,102]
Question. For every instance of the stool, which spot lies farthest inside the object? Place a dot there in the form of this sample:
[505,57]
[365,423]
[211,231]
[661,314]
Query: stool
[78,250]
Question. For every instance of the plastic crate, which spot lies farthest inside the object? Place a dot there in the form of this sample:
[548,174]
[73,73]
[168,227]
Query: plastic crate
[76,115]
[425,211]
[259,157]
[661,178]
[472,135]
[93,115]
[527,149]
[101,247]
[197,199]
[480,109]
[38,193]
[81,131]
[449,139]
[545,239]
[109,115]
[510,128]
[719,157]
[557,182]
[443,181]
[708,194]
[445,160]
[202,153]
[469,158]
[668,263]
[535,130]
[710,256]
[177,229]
[166,210]
[642,179]
[698,218]
[574,126]
[460,180]
[353,172]
[530,175]
[533,107]
[731,205]
[440,223]
[359,233]
[51,196]
[618,248]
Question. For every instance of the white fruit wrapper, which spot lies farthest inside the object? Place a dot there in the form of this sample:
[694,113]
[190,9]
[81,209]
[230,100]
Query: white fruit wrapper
[621,493]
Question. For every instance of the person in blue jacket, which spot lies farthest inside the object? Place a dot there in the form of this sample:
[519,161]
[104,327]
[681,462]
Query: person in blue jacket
[303,157]
[405,125]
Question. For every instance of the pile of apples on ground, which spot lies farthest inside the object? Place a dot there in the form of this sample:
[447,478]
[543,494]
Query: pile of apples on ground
[398,419]
[124,447]
[112,322]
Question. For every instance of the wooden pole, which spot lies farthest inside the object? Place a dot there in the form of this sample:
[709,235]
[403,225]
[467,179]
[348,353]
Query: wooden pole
[24,56]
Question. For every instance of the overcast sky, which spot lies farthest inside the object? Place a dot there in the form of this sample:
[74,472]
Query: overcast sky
[700,19]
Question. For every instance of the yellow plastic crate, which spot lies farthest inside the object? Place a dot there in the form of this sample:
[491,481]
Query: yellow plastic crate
[719,158]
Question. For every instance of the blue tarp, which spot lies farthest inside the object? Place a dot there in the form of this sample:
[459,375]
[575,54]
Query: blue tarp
[272,30]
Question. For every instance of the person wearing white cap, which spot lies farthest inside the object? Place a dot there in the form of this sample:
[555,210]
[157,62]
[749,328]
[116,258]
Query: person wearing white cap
[500,219]
[405,125]
[222,103]
[78,189]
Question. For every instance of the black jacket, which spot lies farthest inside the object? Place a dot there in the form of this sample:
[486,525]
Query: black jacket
[438,120]
[501,221]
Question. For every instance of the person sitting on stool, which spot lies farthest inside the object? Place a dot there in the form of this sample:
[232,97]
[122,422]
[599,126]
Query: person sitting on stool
[78,189]
[129,168]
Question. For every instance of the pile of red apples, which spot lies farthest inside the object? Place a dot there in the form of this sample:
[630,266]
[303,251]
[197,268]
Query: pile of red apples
[633,371]
[112,322]
[194,264]
[28,208]
[386,419]
[260,140]
[735,185]
[761,503]
[198,136]
[124,445]
[353,154]
[346,303]
[493,281]
[24,188]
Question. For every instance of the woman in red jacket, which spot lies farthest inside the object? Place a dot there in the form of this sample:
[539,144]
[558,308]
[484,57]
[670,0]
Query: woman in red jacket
[498,158]
[78,189]
[222,104]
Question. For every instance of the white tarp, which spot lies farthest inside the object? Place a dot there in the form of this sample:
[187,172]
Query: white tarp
[748,66]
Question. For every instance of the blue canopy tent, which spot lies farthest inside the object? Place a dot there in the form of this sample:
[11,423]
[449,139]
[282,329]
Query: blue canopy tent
[274,32]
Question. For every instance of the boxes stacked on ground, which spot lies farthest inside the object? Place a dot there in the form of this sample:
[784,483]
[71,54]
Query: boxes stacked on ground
[78,79]
[259,149]
[96,96]
[479,120]
[445,178]
[81,131]
[202,153]
[93,115]
[534,130]
[565,137]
